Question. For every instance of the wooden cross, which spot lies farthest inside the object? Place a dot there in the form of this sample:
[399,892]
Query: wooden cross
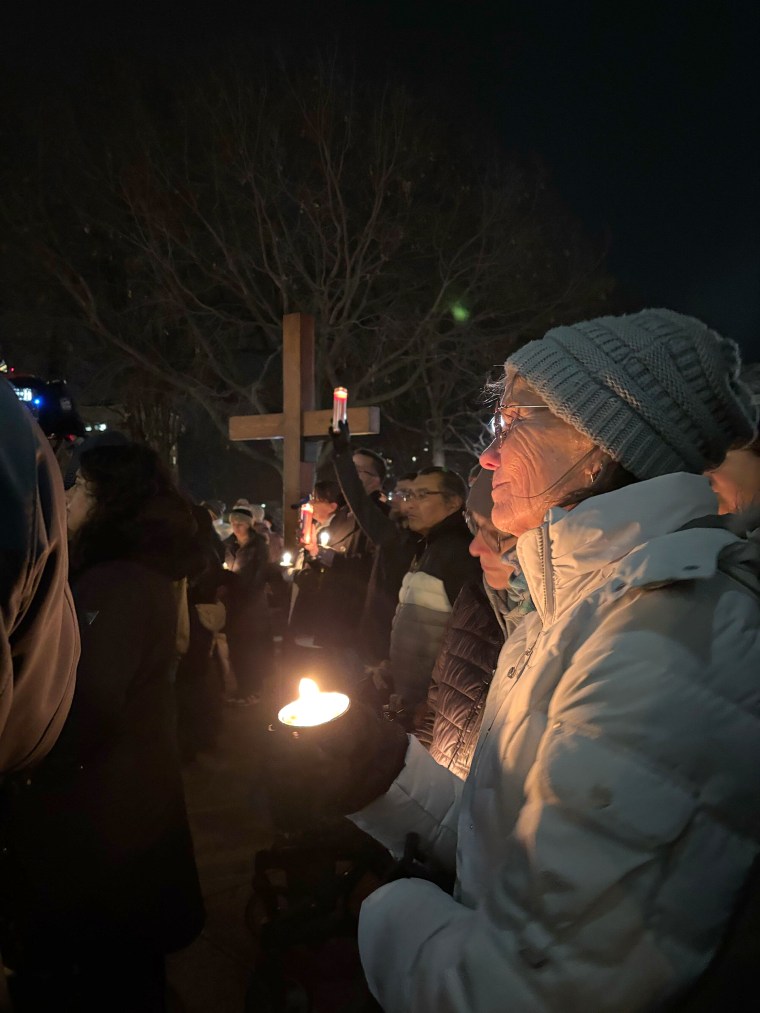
[298,419]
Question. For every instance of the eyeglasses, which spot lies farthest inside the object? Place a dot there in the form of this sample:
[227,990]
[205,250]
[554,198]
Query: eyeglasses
[493,539]
[417,494]
[506,416]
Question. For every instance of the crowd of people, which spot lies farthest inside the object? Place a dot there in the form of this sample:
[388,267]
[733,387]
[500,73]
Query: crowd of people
[552,665]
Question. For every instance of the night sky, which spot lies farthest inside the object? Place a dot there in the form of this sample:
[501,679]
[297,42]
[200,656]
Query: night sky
[645,113]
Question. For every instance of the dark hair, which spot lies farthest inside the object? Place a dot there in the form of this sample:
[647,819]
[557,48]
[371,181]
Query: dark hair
[328,492]
[452,484]
[610,477]
[408,476]
[381,465]
[138,514]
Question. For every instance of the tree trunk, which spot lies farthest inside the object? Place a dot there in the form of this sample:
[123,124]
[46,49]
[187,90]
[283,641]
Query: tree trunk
[437,446]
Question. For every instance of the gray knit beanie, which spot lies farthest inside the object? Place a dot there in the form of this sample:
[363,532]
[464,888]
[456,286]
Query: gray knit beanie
[658,391]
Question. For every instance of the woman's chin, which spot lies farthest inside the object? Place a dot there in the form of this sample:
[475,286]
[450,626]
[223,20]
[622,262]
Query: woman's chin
[503,518]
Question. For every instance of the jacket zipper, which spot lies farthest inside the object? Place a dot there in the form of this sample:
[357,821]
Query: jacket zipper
[548,580]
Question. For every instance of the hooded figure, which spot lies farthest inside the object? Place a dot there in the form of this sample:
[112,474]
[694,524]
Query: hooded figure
[39,639]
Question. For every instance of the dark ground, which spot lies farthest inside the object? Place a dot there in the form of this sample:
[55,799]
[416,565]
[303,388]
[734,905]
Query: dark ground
[212,974]
[230,824]
[229,819]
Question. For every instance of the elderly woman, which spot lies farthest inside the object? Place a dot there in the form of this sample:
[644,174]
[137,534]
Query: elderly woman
[610,817]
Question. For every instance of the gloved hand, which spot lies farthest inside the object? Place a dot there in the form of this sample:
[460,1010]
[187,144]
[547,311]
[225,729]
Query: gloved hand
[341,439]
[339,767]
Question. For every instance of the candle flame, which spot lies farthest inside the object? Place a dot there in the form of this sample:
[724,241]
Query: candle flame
[313,707]
[307,689]
[324,538]
[287,558]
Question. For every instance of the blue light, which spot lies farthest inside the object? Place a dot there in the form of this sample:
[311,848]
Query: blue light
[37,401]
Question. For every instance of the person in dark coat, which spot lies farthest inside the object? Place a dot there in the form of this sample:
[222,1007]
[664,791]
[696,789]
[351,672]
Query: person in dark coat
[333,584]
[441,566]
[198,684]
[249,629]
[484,615]
[106,882]
[385,527]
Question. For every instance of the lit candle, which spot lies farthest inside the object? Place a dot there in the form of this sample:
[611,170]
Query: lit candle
[340,406]
[313,707]
[324,538]
[307,520]
[287,559]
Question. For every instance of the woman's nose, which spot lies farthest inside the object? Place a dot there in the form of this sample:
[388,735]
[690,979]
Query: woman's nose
[490,458]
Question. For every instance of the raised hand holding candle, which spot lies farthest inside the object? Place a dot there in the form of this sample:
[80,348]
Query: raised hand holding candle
[340,406]
[313,707]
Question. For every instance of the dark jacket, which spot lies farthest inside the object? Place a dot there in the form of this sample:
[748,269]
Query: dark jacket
[333,586]
[461,679]
[39,639]
[441,567]
[249,625]
[394,548]
[99,833]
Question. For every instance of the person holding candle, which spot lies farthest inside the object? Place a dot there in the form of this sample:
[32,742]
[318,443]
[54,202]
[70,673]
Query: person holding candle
[607,828]
[334,585]
[385,527]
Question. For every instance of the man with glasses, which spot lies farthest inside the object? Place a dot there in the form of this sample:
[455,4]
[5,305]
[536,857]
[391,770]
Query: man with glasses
[441,565]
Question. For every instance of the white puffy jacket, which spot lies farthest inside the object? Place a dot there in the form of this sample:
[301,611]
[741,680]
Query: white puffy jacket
[612,811]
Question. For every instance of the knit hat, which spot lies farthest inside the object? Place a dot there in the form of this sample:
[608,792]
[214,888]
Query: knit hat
[658,391]
[480,500]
